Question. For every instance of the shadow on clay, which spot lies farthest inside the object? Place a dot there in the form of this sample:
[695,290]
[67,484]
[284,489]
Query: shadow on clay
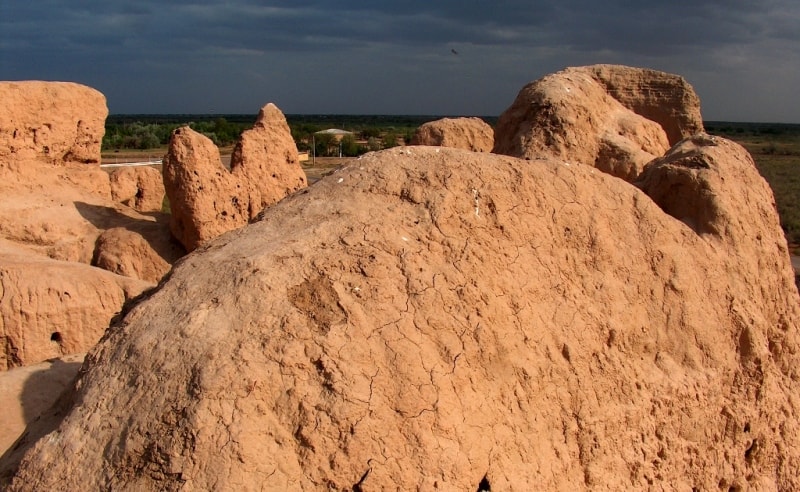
[156,233]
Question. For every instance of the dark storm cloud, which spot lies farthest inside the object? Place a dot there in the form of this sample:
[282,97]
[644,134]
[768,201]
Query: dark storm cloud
[280,26]
[165,56]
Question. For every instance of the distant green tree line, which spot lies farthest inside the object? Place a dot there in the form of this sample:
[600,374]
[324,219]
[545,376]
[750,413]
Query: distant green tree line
[369,132]
[145,135]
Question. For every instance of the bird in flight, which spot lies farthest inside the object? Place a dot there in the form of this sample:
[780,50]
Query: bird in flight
[453,51]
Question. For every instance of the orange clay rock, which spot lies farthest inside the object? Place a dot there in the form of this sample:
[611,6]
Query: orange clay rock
[432,318]
[126,252]
[140,188]
[612,117]
[460,133]
[54,122]
[207,200]
[51,308]
[665,98]
[53,207]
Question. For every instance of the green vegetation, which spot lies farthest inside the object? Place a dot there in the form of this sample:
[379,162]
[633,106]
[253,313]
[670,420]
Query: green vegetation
[775,149]
[369,132]
[127,132]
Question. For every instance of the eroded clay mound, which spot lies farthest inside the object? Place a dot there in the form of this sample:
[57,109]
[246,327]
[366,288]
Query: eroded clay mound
[265,161]
[206,200]
[460,133]
[60,211]
[51,301]
[665,98]
[53,308]
[126,252]
[709,184]
[433,318]
[614,118]
[53,122]
[42,208]
[141,188]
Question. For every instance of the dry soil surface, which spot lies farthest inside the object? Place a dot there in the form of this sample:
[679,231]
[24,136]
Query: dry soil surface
[28,391]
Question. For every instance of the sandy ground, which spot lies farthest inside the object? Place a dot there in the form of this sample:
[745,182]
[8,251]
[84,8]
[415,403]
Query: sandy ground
[29,391]
[322,167]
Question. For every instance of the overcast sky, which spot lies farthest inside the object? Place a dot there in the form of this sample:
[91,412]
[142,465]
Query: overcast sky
[380,57]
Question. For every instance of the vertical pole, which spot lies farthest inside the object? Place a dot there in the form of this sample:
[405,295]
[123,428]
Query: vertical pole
[314,149]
